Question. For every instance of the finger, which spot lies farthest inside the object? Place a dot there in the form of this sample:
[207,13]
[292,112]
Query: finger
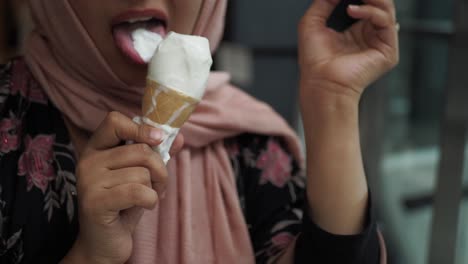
[387,30]
[320,10]
[375,15]
[177,145]
[117,128]
[139,155]
[126,196]
[386,5]
[132,216]
[138,175]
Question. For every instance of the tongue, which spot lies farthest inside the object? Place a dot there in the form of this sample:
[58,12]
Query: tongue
[124,40]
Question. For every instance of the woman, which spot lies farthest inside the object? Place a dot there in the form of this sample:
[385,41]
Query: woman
[234,193]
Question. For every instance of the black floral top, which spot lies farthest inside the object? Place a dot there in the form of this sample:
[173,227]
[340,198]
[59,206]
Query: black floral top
[38,206]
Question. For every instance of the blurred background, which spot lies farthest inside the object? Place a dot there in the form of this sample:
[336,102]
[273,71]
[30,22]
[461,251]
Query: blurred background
[413,120]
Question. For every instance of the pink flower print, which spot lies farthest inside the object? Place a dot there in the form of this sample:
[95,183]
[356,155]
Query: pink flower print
[36,163]
[282,240]
[24,83]
[8,135]
[275,164]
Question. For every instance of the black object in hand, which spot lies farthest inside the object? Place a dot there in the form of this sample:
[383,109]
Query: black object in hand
[339,20]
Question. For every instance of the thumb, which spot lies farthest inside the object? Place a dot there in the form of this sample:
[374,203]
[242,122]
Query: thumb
[320,10]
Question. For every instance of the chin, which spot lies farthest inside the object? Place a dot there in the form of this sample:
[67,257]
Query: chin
[137,81]
[133,75]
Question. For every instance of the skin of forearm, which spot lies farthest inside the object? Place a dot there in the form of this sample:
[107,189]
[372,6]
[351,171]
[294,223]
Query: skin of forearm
[336,184]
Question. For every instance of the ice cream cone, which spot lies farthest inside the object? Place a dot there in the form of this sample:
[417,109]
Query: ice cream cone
[163,105]
[176,82]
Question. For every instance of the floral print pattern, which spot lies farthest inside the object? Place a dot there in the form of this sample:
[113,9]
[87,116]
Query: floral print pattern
[9,128]
[32,158]
[267,175]
[275,165]
[36,162]
[12,243]
[27,87]
[282,240]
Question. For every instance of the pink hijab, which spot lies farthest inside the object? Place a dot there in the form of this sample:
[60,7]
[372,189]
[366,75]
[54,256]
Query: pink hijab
[200,221]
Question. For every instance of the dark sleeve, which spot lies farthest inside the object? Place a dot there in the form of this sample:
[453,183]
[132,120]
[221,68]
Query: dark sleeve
[271,188]
[318,245]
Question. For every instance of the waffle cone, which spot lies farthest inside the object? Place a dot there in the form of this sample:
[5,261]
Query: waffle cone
[167,106]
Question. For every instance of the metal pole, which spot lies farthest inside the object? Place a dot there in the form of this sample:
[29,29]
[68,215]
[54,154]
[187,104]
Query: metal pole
[449,191]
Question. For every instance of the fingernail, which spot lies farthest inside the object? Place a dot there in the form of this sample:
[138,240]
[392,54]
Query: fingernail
[156,135]
[163,195]
[354,7]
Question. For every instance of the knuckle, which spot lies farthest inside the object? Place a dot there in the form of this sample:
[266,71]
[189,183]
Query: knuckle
[388,64]
[390,18]
[144,149]
[155,159]
[135,192]
[113,117]
[393,61]
[141,152]
[163,175]
[157,170]
[153,202]
[145,173]
[144,176]
[142,132]
[158,164]
[161,178]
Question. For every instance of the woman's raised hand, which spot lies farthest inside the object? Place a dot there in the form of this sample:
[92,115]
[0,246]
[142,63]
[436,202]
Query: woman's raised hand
[346,63]
[335,69]
[115,183]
